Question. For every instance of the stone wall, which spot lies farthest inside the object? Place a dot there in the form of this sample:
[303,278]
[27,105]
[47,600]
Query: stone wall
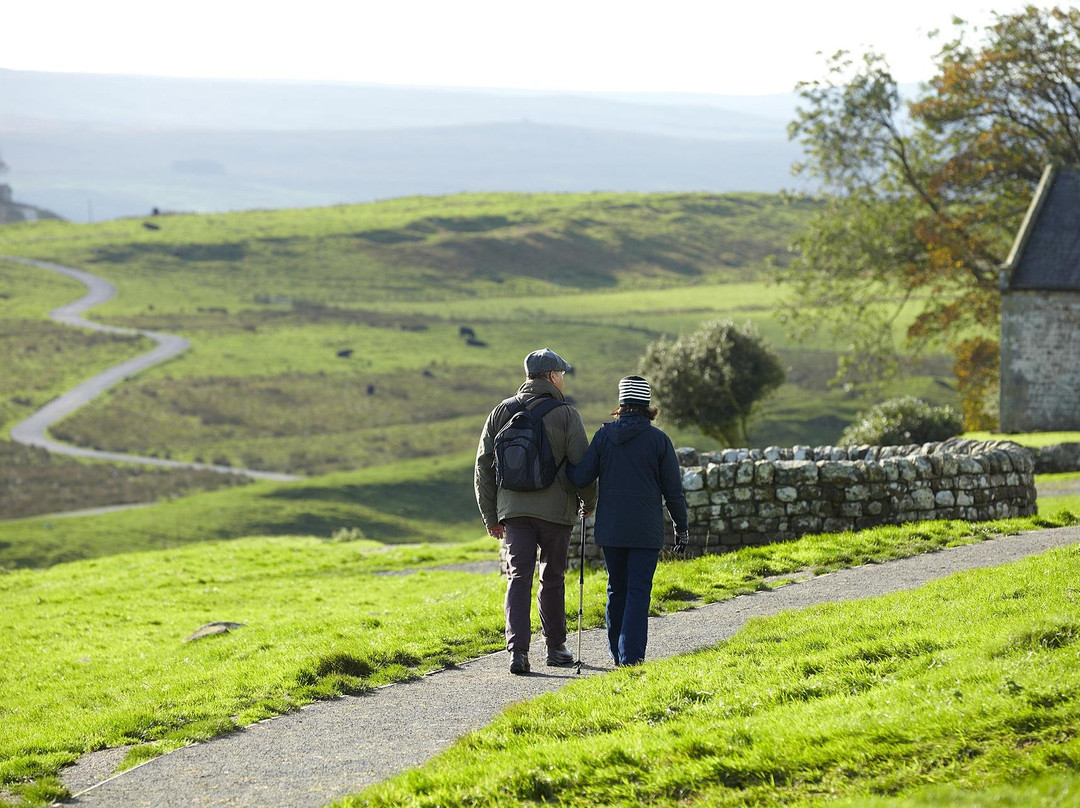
[1057,459]
[1040,361]
[749,497]
[746,497]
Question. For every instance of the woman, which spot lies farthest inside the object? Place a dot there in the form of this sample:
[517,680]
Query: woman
[638,473]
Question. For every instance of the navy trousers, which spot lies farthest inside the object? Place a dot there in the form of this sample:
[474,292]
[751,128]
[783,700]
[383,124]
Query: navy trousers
[630,576]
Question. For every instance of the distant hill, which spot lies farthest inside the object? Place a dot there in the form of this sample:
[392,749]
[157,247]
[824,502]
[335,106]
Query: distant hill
[109,146]
[13,211]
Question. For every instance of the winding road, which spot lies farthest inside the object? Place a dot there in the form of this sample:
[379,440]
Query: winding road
[34,430]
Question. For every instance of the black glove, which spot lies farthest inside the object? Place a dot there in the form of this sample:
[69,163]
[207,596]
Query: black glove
[680,543]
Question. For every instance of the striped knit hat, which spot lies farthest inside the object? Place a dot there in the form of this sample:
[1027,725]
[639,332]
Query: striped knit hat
[634,391]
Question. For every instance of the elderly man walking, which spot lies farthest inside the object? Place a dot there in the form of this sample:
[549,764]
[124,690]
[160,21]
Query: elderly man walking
[536,518]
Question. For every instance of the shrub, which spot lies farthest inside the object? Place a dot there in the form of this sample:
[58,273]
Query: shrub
[713,379]
[901,421]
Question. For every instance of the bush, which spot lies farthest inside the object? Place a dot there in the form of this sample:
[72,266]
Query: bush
[900,421]
[713,379]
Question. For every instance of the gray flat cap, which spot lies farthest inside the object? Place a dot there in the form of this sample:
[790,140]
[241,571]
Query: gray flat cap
[544,361]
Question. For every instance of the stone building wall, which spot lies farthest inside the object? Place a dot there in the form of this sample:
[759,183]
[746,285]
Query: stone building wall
[746,497]
[1040,361]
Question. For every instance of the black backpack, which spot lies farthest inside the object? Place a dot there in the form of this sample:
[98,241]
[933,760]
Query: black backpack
[523,457]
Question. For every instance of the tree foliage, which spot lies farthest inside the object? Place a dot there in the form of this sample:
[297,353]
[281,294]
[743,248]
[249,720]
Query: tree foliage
[901,421]
[924,197]
[713,379]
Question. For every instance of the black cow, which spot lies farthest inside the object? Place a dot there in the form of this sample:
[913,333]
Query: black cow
[345,353]
[466,332]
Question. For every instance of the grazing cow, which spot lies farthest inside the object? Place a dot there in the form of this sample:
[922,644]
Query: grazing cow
[345,353]
[475,342]
[151,226]
[428,374]
[371,389]
[466,332]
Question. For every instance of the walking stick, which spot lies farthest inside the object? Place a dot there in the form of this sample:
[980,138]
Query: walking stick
[581,596]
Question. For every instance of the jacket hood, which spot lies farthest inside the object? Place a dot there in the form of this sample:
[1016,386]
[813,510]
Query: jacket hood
[627,427]
[539,387]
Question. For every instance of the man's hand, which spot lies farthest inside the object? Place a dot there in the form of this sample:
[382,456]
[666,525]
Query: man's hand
[497,531]
[681,540]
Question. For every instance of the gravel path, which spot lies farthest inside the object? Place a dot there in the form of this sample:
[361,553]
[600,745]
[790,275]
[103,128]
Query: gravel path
[33,430]
[329,749]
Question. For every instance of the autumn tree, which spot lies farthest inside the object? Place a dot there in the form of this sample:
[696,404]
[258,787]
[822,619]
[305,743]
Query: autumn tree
[713,379]
[924,196]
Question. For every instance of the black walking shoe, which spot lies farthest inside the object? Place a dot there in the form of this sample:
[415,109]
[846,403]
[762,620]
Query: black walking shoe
[560,657]
[519,663]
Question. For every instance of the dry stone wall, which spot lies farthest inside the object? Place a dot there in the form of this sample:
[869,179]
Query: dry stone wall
[749,497]
[746,497]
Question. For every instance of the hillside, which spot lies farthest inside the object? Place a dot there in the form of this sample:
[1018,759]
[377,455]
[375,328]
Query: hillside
[329,339]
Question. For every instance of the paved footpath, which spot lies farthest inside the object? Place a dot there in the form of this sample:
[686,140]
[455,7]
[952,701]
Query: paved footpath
[329,749]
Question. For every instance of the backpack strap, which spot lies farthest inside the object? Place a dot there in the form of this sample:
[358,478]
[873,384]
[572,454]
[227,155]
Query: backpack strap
[537,408]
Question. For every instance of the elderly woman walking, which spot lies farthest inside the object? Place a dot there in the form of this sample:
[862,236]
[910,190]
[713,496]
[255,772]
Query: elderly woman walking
[639,474]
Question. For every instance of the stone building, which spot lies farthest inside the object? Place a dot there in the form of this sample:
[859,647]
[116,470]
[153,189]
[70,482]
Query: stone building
[1040,312]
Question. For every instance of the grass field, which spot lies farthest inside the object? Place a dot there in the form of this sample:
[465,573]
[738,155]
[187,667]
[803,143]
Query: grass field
[413,501]
[103,637]
[969,684]
[269,299]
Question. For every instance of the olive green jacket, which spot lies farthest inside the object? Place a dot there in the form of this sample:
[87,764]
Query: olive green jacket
[560,501]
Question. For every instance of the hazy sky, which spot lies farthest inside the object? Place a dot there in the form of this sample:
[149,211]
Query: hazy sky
[721,46]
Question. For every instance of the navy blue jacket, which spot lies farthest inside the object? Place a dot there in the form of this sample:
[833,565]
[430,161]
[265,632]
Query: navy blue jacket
[638,473]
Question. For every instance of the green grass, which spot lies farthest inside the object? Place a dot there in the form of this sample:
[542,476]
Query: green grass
[1035,440]
[36,482]
[103,637]
[423,500]
[966,684]
[268,298]
[41,358]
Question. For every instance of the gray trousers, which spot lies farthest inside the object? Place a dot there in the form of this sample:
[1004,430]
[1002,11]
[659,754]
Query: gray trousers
[524,535]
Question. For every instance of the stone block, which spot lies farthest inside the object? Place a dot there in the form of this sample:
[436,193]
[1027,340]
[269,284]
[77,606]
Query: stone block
[857,493]
[787,494]
[695,498]
[721,497]
[949,466]
[805,524]
[771,510]
[945,499]
[763,473]
[687,456]
[837,472]
[744,473]
[742,494]
[834,525]
[693,479]
[794,472]
[922,499]
[800,508]
[851,509]
[764,494]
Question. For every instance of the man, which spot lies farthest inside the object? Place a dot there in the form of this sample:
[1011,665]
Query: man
[531,520]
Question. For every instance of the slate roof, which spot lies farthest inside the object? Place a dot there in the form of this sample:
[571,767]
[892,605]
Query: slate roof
[1046,253]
